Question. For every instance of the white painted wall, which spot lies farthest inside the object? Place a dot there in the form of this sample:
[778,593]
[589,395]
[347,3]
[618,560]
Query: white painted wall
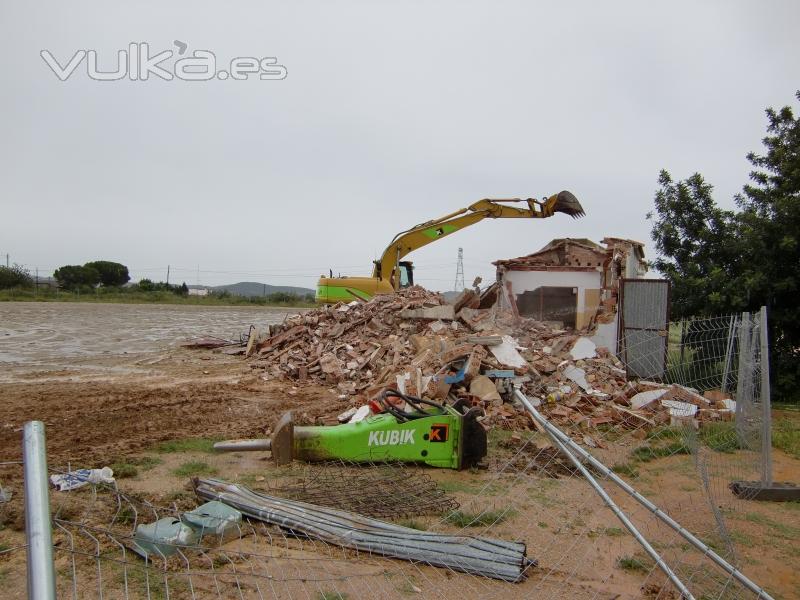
[523,281]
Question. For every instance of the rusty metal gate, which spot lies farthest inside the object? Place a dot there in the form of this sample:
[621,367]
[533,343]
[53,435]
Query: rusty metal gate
[644,327]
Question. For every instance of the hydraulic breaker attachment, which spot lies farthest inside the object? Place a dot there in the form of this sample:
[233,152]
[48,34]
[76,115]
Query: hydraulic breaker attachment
[448,439]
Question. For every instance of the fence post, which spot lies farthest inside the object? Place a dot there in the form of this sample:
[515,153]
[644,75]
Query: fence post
[41,573]
[742,412]
[766,408]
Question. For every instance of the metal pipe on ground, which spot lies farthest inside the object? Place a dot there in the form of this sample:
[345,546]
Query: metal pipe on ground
[489,557]
[255,445]
[41,572]
[627,488]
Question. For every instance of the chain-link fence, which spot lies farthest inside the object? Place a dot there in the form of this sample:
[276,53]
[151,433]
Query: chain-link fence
[567,499]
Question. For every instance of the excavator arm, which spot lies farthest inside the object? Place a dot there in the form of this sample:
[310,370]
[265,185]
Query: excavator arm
[430,231]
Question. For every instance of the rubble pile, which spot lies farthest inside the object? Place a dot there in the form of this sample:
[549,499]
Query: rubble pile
[417,343]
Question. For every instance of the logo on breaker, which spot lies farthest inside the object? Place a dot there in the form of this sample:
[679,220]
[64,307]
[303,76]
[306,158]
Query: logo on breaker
[438,432]
[391,438]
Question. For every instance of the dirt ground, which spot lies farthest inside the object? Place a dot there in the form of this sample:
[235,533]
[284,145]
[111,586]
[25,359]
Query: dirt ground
[113,386]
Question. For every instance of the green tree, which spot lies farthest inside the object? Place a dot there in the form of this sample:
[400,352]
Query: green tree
[72,277]
[725,261]
[697,247]
[111,273]
[770,226]
[16,276]
[182,289]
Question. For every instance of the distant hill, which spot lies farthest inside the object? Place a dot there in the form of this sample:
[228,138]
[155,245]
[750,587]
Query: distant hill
[253,288]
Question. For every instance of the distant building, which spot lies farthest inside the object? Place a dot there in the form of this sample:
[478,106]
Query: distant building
[198,292]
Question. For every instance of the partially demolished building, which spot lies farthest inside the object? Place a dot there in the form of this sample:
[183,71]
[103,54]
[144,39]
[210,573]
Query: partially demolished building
[572,283]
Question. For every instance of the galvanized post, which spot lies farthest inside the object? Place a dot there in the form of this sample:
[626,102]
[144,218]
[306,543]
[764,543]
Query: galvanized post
[728,353]
[742,401]
[41,573]
[766,408]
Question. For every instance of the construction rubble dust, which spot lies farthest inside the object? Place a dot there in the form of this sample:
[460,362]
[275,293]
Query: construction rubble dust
[415,342]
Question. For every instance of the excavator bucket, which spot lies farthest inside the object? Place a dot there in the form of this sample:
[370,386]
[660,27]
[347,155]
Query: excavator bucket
[565,202]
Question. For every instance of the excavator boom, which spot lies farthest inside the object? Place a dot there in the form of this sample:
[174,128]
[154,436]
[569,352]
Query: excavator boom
[386,273]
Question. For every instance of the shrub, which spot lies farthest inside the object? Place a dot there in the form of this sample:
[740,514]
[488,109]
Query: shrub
[16,276]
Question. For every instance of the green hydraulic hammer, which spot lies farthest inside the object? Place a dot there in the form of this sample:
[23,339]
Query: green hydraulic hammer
[437,435]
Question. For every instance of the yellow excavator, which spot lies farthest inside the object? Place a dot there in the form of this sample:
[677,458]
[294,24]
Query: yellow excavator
[390,273]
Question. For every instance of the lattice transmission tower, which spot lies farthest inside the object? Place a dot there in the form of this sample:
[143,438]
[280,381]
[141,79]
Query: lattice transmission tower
[459,287]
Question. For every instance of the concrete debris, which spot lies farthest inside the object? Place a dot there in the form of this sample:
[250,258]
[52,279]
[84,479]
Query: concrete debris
[506,353]
[642,399]
[485,389]
[444,312]
[583,348]
[403,341]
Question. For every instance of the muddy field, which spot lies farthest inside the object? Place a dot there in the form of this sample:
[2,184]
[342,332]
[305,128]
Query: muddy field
[109,378]
[113,386]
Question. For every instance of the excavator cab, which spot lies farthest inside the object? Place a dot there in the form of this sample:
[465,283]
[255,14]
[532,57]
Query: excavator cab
[406,268]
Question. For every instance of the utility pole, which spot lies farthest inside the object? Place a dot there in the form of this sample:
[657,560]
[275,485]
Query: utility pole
[459,287]
[167,274]
[6,260]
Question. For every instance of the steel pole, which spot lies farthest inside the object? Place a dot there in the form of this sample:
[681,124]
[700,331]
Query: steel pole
[766,408]
[41,573]
[665,518]
[665,568]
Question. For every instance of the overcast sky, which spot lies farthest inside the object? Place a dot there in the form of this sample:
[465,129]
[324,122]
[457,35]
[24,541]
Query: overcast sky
[391,114]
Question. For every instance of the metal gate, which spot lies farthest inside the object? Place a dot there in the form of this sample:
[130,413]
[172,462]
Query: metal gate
[644,327]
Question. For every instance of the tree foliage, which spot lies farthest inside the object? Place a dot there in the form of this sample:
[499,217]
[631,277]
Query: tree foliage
[729,261]
[15,276]
[697,247]
[111,273]
[71,277]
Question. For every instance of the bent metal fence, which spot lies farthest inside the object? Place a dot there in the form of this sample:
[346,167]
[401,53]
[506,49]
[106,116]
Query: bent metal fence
[615,511]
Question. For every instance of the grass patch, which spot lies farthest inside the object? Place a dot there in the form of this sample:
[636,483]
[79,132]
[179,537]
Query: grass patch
[126,515]
[614,531]
[408,587]
[331,596]
[778,529]
[481,519]
[412,524]
[137,296]
[131,467]
[187,445]
[786,436]
[193,468]
[647,453]
[720,437]
[635,564]
[665,433]
[625,469]
[458,486]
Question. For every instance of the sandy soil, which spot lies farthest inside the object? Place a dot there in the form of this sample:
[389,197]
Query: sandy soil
[111,382]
